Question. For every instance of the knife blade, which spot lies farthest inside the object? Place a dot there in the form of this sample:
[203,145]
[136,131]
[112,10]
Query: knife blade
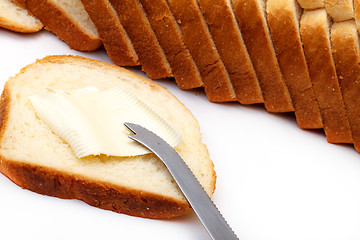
[204,208]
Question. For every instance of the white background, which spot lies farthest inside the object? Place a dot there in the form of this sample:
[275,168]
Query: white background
[275,181]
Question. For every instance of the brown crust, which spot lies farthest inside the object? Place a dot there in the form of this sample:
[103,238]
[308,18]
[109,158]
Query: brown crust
[116,42]
[197,38]
[255,32]
[315,38]
[147,47]
[228,40]
[346,52]
[285,33]
[169,35]
[10,25]
[58,22]
[102,195]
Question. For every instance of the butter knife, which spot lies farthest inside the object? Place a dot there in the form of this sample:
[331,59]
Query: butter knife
[198,199]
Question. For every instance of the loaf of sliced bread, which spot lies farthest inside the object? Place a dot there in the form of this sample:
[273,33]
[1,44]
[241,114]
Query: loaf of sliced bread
[68,20]
[152,57]
[340,10]
[315,36]
[197,38]
[251,17]
[346,51]
[116,41]
[169,35]
[311,4]
[228,40]
[284,19]
[17,19]
[33,157]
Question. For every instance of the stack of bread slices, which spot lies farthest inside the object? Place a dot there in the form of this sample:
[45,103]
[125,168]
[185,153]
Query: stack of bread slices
[298,56]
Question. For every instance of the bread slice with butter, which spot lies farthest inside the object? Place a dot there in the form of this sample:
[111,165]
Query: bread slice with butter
[17,19]
[35,158]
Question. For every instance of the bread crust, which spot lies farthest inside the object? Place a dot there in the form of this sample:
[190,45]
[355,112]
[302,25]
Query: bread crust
[346,51]
[228,40]
[142,36]
[357,14]
[284,28]
[49,181]
[255,32]
[169,35]
[102,195]
[116,42]
[61,24]
[315,34]
[197,38]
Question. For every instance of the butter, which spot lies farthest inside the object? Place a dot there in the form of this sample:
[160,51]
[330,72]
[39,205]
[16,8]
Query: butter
[92,121]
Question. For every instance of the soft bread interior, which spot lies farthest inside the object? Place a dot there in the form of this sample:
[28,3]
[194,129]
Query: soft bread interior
[14,16]
[340,10]
[76,10]
[311,4]
[27,139]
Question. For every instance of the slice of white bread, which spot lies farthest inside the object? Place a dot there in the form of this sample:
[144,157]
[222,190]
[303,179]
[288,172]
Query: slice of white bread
[68,20]
[315,35]
[284,19]
[17,19]
[116,41]
[228,40]
[152,57]
[251,16]
[197,38]
[36,159]
[311,4]
[346,52]
[340,10]
[169,35]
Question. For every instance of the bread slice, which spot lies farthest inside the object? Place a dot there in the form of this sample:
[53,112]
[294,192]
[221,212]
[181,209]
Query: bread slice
[169,35]
[251,16]
[152,57]
[17,19]
[228,40]
[284,19]
[68,20]
[33,157]
[346,51]
[315,36]
[197,38]
[340,10]
[357,14]
[116,41]
[311,4]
